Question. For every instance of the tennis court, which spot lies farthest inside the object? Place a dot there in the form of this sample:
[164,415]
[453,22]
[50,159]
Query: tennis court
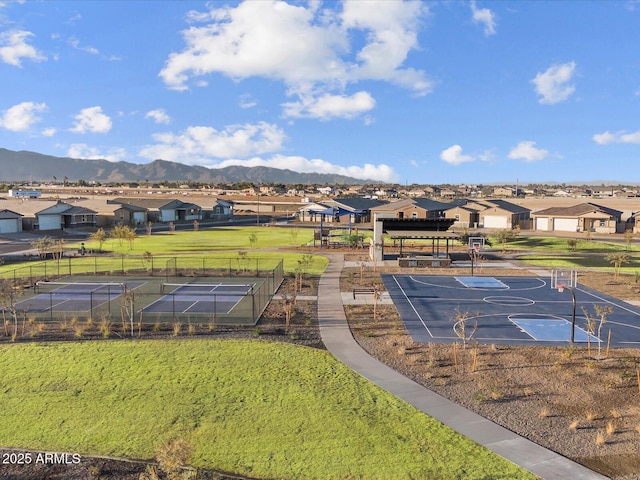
[150,300]
[199,298]
[507,310]
[74,297]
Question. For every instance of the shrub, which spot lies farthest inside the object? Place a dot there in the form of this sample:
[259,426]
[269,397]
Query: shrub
[173,457]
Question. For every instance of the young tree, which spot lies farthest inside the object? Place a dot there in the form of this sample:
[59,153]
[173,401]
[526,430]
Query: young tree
[130,236]
[602,311]
[253,239]
[617,259]
[99,236]
[628,238]
[503,236]
[43,246]
[8,305]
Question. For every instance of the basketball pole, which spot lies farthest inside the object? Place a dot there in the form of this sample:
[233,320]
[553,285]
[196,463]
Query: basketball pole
[573,311]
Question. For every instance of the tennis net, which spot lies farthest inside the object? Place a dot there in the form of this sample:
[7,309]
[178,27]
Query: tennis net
[80,288]
[206,288]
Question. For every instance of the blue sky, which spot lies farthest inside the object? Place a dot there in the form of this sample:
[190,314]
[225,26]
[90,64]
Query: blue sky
[407,92]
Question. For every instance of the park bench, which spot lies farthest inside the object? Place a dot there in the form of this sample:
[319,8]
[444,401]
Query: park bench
[363,290]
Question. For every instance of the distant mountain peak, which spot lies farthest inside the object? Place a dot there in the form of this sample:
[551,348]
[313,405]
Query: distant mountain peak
[33,166]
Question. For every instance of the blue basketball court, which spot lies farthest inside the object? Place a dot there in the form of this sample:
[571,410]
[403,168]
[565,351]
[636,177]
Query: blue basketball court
[506,310]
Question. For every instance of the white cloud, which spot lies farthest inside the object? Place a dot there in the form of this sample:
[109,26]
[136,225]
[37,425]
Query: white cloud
[485,17]
[301,164]
[618,137]
[14,47]
[158,115]
[20,117]
[91,120]
[553,84]
[82,150]
[49,132]
[329,106]
[247,101]
[453,156]
[527,151]
[198,145]
[75,43]
[255,39]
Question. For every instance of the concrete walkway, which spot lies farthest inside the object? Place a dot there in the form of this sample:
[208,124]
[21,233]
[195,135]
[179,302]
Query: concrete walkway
[339,341]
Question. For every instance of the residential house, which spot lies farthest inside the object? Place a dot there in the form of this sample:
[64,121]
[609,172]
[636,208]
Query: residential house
[584,217]
[10,221]
[62,216]
[164,210]
[345,211]
[464,214]
[503,192]
[215,209]
[412,208]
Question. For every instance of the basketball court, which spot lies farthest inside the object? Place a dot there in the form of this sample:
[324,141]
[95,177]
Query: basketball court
[514,310]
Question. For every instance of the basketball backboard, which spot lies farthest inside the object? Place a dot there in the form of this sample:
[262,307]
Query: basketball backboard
[561,279]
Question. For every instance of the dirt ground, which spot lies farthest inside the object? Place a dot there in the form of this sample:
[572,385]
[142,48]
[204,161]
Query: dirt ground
[575,401]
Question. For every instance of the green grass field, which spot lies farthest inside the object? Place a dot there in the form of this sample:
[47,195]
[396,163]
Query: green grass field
[554,252]
[263,409]
[216,239]
[262,243]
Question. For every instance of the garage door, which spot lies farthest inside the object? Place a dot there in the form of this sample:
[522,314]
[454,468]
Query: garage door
[565,224]
[138,217]
[542,223]
[50,222]
[495,221]
[9,226]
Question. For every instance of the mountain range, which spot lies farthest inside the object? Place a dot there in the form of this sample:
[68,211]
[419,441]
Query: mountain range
[32,166]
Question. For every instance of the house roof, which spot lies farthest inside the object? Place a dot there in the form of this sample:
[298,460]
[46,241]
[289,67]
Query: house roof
[62,208]
[431,205]
[508,206]
[151,203]
[578,210]
[56,209]
[394,206]
[8,214]
[356,203]
[78,210]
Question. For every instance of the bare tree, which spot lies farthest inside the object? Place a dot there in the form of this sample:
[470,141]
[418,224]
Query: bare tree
[8,304]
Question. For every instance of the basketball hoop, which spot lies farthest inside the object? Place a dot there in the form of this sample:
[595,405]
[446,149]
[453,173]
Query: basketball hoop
[561,287]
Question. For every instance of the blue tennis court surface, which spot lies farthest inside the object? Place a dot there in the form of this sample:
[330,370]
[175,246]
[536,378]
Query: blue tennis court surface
[75,297]
[513,310]
[199,298]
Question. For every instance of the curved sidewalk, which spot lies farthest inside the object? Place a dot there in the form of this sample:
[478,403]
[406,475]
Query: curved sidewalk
[338,339]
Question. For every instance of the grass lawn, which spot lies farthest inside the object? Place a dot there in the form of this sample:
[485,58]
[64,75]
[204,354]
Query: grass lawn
[263,409]
[220,238]
[264,243]
[560,245]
